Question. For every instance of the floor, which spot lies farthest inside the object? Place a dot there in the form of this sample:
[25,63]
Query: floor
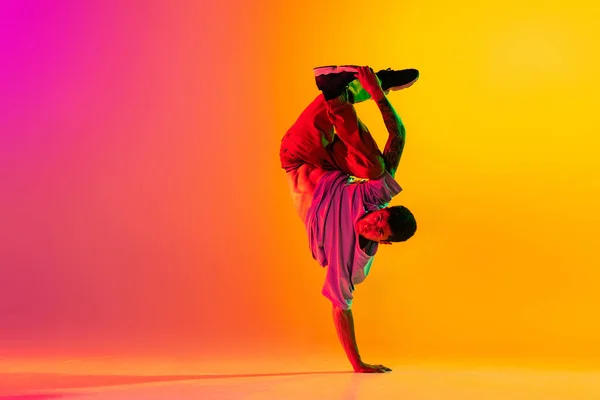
[252,380]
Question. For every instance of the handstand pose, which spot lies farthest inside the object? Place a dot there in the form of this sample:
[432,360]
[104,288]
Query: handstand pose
[346,218]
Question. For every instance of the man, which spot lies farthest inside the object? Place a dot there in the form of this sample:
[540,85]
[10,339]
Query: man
[346,218]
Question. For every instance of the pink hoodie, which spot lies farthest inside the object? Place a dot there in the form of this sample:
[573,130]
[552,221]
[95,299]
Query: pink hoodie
[338,203]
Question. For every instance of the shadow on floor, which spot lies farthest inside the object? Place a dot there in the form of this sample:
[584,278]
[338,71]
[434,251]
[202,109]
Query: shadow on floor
[35,396]
[15,382]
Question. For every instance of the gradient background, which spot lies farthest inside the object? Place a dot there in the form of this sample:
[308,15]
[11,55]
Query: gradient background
[144,214]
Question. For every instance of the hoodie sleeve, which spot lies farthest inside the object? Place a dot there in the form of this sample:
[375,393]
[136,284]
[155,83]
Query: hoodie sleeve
[338,286]
[377,193]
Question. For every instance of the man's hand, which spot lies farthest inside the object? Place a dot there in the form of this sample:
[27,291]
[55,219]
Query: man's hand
[370,369]
[370,83]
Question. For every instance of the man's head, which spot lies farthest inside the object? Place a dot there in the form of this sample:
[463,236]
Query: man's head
[388,225]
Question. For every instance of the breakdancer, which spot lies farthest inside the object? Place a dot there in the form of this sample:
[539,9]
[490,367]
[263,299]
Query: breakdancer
[341,184]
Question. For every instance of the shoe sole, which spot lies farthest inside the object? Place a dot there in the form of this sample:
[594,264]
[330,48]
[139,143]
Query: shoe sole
[405,86]
[411,72]
[334,69]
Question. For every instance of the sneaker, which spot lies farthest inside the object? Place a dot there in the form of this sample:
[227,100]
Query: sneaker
[396,80]
[333,80]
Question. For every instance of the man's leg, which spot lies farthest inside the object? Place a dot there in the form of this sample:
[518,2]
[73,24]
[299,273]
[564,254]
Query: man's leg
[353,149]
[307,141]
[313,140]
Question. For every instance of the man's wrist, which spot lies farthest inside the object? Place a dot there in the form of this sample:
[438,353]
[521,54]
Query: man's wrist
[378,96]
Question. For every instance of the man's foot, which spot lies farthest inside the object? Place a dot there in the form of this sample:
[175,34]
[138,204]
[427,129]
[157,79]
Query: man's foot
[396,80]
[332,80]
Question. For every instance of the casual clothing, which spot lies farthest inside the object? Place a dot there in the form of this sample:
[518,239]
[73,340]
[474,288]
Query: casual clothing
[337,205]
[313,140]
[329,135]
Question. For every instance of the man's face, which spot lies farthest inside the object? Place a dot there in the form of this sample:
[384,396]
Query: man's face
[374,226]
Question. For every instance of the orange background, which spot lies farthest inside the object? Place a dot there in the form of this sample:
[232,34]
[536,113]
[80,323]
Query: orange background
[143,210]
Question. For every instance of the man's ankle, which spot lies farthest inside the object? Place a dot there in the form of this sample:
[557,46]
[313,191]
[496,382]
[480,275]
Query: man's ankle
[345,97]
[357,93]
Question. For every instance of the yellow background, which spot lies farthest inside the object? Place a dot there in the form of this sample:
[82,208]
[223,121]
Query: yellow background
[500,169]
[147,214]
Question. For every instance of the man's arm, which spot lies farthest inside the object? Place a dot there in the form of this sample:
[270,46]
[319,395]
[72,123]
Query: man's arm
[397,135]
[344,324]
[395,144]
